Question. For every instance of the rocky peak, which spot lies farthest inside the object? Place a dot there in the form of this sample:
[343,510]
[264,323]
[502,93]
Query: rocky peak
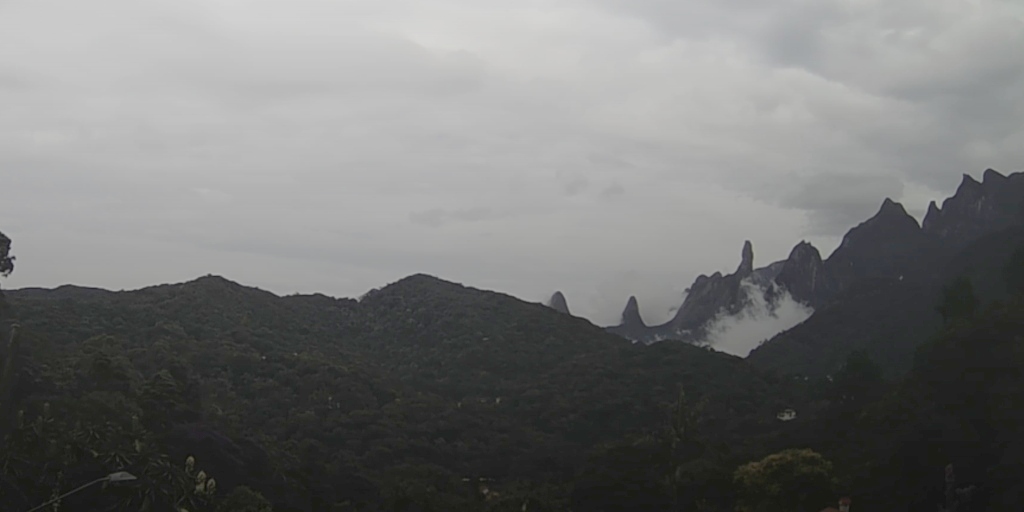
[710,295]
[887,225]
[892,208]
[631,315]
[931,216]
[558,303]
[803,275]
[746,260]
[803,251]
[993,177]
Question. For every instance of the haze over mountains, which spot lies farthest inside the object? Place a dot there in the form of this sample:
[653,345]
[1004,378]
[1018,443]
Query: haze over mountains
[411,396]
[739,311]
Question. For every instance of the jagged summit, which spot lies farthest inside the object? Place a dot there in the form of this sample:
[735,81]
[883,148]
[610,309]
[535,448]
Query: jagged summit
[803,248]
[888,225]
[893,211]
[631,314]
[978,208]
[889,245]
[558,303]
[993,176]
[890,207]
[632,326]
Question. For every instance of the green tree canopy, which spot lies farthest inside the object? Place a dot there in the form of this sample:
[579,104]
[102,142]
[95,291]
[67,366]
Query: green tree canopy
[791,480]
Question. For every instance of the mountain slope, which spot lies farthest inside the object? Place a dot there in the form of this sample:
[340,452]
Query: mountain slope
[889,245]
[889,318]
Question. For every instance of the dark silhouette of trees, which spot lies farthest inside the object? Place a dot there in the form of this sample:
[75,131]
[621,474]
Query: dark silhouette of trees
[6,259]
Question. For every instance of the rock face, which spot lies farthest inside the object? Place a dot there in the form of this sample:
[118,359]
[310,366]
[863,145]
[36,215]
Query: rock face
[877,291]
[707,298]
[803,275]
[765,276]
[746,260]
[710,295]
[978,208]
[889,247]
[558,303]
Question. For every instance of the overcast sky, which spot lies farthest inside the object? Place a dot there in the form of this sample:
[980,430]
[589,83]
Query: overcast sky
[600,147]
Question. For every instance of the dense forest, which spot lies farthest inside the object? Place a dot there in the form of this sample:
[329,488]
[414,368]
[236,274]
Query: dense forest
[426,395]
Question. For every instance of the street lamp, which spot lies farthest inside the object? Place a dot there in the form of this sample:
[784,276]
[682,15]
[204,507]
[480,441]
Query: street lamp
[119,476]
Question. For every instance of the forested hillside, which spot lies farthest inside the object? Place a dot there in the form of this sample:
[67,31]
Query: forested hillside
[429,395]
[414,393]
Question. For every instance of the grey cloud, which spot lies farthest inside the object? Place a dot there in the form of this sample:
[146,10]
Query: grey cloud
[947,71]
[695,19]
[575,186]
[741,333]
[370,140]
[841,201]
[608,161]
[612,191]
[14,81]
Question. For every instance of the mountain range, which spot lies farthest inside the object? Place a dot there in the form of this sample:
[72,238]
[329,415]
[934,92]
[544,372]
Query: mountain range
[889,251]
